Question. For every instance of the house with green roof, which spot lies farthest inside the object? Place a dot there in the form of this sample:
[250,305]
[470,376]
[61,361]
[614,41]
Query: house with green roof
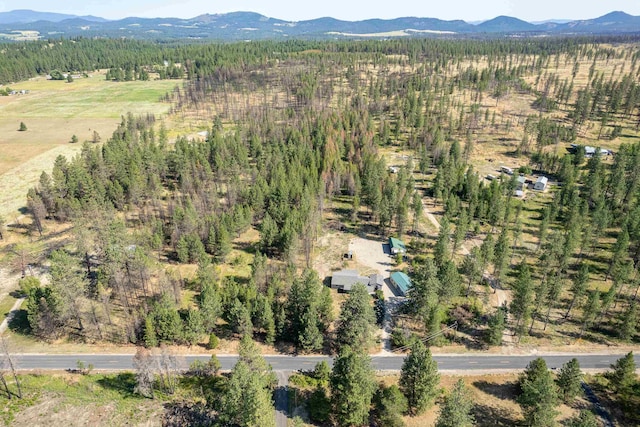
[400,283]
[397,246]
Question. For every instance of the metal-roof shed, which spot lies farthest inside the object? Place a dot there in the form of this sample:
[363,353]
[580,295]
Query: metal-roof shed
[401,282]
[397,246]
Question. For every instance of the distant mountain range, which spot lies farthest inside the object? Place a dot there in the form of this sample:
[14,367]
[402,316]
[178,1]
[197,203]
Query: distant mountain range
[253,26]
[23,16]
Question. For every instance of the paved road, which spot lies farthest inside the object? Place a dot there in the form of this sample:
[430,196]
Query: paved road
[469,362]
[282,398]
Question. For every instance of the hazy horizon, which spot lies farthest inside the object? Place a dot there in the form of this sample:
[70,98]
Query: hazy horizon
[467,10]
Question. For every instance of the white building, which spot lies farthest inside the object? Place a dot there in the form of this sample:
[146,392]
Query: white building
[541,183]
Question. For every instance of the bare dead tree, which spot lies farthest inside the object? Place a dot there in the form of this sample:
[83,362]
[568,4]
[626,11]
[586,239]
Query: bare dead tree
[143,363]
[9,362]
[169,367]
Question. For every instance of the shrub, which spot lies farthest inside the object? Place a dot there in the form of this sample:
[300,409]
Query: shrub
[28,283]
[213,341]
[319,406]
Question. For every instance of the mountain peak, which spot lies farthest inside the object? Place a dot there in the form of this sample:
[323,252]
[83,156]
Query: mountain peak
[618,16]
[504,23]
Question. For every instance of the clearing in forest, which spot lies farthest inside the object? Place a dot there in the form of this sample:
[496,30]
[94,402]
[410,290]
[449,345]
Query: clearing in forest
[54,111]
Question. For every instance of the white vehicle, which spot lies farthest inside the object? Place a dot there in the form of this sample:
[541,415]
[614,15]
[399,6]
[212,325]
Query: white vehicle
[506,170]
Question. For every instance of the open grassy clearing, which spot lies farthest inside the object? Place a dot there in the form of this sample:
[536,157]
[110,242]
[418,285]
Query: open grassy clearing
[53,111]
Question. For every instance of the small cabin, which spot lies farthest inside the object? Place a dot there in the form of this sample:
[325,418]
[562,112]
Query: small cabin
[400,282]
[541,183]
[397,246]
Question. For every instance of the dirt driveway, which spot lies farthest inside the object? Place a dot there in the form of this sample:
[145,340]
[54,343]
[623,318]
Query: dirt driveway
[373,254]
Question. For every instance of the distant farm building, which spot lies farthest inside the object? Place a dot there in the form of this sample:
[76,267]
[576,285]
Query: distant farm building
[541,183]
[589,151]
[397,246]
[400,282]
[345,280]
[521,183]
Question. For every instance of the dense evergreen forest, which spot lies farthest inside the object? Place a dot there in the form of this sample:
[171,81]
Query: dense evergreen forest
[300,135]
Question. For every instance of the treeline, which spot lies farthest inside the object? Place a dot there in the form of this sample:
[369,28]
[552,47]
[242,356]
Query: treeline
[20,61]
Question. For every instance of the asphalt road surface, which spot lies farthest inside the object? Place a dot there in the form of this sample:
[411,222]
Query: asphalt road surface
[469,362]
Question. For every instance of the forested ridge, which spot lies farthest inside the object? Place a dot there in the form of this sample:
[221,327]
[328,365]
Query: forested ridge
[300,136]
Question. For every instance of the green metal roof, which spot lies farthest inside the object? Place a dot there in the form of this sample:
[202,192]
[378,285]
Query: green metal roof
[402,281]
[395,243]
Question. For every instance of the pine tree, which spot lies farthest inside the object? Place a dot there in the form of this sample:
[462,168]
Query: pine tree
[442,249]
[569,381]
[579,286]
[496,323]
[585,418]
[590,310]
[450,281]
[310,338]
[419,378]
[629,323]
[357,319]
[150,338]
[247,401]
[538,396]
[389,405]
[319,406]
[210,306]
[623,376]
[521,306]
[193,328]
[306,312]
[501,254]
[456,410]
[471,267]
[240,318]
[352,387]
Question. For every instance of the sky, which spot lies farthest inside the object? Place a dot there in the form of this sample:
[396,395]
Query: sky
[468,10]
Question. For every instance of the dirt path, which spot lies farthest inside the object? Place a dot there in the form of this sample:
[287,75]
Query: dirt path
[5,323]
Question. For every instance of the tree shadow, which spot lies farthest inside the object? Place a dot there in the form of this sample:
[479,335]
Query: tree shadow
[19,323]
[503,391]
[124,383]
[488,416]
[588,335]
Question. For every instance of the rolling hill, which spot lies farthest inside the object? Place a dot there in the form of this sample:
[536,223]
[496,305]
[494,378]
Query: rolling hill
[253,26]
